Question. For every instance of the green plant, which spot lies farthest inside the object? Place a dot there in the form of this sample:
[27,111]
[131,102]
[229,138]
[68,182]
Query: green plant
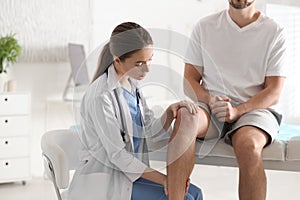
[10,50]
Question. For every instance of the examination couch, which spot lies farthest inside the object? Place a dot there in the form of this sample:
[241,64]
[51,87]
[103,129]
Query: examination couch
[282,154]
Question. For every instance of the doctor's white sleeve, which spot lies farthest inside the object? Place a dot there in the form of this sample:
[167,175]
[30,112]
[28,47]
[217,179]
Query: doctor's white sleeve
[155,131]
[108,130]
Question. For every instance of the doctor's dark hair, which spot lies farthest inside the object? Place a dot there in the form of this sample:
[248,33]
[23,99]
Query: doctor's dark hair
[126,39]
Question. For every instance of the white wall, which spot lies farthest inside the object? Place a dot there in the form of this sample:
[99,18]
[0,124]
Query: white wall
[46,80]
[45,27]
[176,15]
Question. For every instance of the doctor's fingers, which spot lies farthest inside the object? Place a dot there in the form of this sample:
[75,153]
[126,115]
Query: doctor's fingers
[191,107]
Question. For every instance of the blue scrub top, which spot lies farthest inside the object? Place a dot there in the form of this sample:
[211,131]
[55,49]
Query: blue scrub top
[135,112]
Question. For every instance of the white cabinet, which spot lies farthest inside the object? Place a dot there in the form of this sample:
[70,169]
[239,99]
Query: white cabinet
[14,136]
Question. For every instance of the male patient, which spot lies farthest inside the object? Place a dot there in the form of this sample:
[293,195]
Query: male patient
[235,66]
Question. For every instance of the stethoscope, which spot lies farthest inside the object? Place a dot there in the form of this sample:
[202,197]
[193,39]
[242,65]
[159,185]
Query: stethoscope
[123,131]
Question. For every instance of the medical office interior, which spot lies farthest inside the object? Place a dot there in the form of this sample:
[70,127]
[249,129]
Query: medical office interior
[42,78]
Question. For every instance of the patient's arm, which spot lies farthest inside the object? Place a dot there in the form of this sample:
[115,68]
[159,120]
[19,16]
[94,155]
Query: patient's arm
[269,96]
[265,98]
[192,86]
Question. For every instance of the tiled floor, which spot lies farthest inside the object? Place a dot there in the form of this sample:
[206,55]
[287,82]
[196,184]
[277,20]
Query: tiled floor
[35,189]
[216,182]
[222,183]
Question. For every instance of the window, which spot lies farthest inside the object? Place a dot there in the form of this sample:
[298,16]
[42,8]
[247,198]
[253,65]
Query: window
[289,17]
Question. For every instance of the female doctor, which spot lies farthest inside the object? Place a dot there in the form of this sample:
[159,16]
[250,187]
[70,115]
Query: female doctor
[115,123]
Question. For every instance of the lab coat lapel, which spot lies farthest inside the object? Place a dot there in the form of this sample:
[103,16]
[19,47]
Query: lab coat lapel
[113,83]
[143,149]
[126,114]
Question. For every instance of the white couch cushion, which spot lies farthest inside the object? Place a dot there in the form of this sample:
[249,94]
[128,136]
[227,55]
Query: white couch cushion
[275,151]
[293,149]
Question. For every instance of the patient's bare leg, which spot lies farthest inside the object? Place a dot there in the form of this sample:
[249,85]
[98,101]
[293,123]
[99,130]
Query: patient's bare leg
[181,150]
[248,143]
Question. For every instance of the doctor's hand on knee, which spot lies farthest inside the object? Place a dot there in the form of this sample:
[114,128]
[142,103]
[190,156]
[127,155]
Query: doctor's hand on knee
[190,106]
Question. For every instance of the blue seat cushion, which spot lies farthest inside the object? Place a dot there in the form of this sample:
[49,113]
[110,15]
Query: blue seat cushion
[75,127]
[288,131]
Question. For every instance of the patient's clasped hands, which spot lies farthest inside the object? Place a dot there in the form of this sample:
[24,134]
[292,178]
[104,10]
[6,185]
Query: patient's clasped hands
[222,108]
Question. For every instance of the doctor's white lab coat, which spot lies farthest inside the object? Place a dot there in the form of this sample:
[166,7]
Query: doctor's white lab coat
[107,168]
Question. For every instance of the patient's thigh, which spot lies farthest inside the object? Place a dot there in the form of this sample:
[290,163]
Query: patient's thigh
[206,128]
[210,132]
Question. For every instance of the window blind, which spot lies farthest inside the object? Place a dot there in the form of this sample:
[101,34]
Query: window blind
[289,18]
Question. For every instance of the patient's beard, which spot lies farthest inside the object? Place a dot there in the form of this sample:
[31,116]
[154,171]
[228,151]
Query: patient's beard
[240,6]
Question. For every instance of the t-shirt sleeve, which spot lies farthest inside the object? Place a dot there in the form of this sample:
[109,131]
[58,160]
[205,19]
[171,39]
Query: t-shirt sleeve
[277,57]
[194,50]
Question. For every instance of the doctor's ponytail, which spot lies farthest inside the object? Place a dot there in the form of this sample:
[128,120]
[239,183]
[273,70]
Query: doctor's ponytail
[126,39]
[104,61]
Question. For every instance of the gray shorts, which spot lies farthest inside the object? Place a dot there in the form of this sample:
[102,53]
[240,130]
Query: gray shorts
[267,120]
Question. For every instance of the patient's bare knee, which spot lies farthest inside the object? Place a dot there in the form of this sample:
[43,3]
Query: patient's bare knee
[186,122]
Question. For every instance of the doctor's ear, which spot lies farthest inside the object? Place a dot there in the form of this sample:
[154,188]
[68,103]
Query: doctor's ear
[117,60]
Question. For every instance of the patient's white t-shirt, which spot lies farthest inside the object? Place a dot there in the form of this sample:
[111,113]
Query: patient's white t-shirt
[236,60]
